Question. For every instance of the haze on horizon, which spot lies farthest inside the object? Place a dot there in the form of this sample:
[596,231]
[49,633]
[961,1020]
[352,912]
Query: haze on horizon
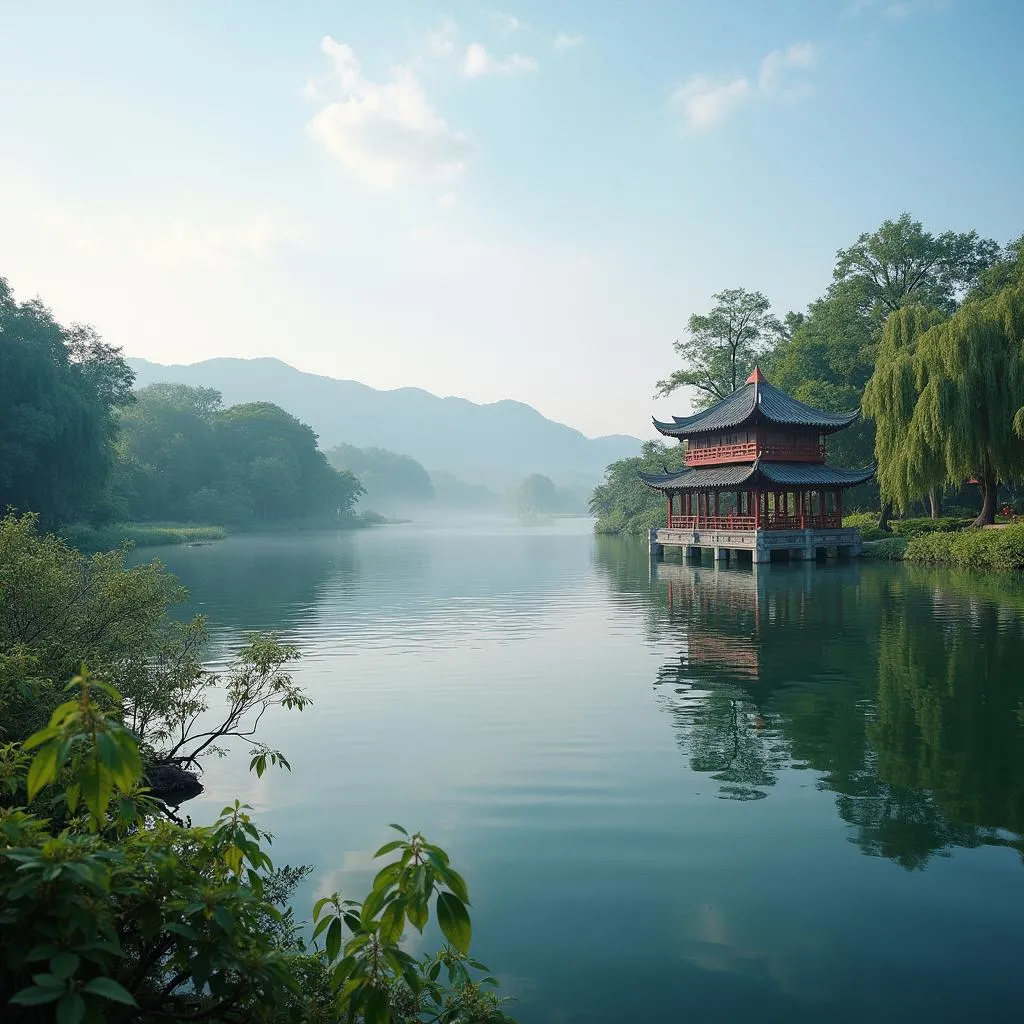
[521,203]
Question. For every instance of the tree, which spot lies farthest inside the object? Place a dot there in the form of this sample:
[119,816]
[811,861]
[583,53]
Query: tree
[907,467]
[902,264]
[537,495]
[622,503]
[826,362]
[182,456]
[722,345]
[970,412]
[59,388]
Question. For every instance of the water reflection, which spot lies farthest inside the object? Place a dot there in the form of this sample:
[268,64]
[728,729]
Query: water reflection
[901,690]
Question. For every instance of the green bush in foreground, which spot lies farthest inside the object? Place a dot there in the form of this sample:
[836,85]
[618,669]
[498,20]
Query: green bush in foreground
[109,913]
[1000,549]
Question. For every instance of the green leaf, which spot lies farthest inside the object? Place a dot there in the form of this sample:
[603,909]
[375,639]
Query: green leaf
[319,905]
[63,965]
[456,883]
[110,989]
[454,921]
[395,844]
[334,940]
[36,995]
[377,1006]
[392,922]
[43,770]
[387,876]
[398,828]
[71,1009]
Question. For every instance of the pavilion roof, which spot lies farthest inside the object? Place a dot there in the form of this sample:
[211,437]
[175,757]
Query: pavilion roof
[756,402]
[757,474]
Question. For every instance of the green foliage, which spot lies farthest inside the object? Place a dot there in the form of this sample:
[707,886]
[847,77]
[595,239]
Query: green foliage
[59,608]
[722,345]
[867,523]
[138,535]
[914,527]
[902,264]
[59,387]
[1001,548]
[114,914]
[181,456]
[389,480]
[622,503]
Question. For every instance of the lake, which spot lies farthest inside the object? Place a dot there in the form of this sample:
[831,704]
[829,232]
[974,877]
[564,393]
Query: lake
[676,792]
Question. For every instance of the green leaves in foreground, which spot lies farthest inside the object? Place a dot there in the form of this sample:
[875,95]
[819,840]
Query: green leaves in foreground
[372,975]
[88,735]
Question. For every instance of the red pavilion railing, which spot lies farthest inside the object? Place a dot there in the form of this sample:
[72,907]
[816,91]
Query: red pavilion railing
[827,521]
[750,450]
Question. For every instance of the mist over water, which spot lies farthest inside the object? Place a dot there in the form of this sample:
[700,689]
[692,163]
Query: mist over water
[796,795]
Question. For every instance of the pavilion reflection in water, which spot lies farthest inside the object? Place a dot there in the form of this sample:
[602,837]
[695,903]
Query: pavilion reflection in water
[902,695]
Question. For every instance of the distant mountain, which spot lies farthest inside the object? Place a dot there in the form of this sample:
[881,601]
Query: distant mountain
[496,444]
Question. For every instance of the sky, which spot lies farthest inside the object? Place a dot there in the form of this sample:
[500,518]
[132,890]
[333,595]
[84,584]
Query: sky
[518,201]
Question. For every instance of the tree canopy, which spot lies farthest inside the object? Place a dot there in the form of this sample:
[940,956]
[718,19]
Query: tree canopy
[722,345]
[59,390]
[182,456]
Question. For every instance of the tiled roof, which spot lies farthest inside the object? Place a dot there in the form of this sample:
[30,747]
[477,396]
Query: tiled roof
[755,402]
[784,474]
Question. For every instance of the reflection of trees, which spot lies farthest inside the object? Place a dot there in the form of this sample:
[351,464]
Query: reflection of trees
[902,690]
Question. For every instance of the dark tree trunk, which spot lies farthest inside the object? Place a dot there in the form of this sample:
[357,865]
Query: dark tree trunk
[989,486]
[883,521]
[935,503]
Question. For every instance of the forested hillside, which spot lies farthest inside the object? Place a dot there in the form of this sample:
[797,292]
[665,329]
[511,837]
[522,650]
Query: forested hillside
[496,445]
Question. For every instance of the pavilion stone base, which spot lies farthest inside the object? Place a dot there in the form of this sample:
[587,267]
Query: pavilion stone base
[800,544]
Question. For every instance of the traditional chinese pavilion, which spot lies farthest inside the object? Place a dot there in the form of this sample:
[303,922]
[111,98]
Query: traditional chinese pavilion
[756,478]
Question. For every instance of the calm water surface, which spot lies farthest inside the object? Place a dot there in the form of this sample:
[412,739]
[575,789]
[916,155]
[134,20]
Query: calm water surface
[677,793]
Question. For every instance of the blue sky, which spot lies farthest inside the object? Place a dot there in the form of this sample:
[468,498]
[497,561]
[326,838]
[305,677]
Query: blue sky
[522,201]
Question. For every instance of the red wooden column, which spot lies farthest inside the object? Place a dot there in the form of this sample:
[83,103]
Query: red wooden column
[839,503]
[757,510]
[668,495]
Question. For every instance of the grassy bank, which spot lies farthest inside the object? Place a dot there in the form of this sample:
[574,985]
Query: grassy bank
[1000,549]
[141,535]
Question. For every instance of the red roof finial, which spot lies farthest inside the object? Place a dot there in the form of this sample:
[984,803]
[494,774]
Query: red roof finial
[756,376]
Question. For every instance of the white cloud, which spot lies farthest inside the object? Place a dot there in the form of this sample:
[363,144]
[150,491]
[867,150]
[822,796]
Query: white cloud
[565,41]
[775,64]
[507,23]
[479,62]
[705,101]
[387,134]
[440,43]
[447,201]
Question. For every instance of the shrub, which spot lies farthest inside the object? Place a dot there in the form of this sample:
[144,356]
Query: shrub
[867,523]
[1001,549]
[915,527]
[108,913]
[889,549]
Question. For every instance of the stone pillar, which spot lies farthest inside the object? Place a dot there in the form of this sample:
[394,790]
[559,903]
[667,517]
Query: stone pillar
[721,554]
[654,547]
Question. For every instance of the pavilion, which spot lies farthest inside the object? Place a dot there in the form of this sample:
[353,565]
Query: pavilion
[755,478]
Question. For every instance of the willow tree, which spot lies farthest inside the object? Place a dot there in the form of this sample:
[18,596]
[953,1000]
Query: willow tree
[969,372]
[908,468]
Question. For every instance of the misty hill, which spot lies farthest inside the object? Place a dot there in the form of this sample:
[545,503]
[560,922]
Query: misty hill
[496,444]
